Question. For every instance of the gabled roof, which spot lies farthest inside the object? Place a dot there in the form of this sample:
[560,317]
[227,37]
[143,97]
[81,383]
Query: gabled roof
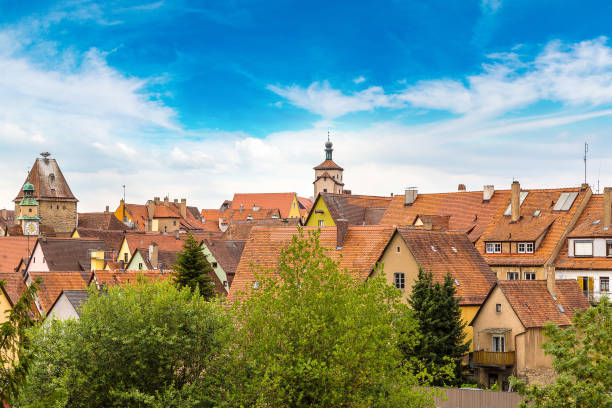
[14,285]
[138,214]
[12,251]
[591,222]
[534,305]
[282,201]
[554,223]
[326,175]
[69,254]
[211,219]
[165,259]
[112,238]
[53,283]
[305,206]
[101,221]
[76,298]
[466,210]
[227,253]
[357,209]
[235,214]
[328,165]
[362,248]
[48,181]
[242,229]
[442,252]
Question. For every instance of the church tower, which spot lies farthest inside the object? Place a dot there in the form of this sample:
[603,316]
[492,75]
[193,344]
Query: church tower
[28,210]
[328,175]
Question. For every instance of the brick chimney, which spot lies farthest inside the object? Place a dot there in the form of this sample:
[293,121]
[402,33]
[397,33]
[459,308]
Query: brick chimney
[4,213]
[428,225]
[166,201]
[342,227]
[516,201]
[461,187]
[156,200]
[487,193]
[153,254]
[551,284]
[410,195]
[607,209]
[150,210]
[184,208]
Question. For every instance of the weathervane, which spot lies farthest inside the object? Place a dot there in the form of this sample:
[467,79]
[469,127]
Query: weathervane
[45,154]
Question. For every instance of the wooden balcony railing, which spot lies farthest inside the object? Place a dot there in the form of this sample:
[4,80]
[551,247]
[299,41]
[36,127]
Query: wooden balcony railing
[493,358]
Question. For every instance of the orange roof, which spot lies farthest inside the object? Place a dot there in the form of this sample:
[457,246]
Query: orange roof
[111,278]
[356,209]
[242,229]
[166,242]
[282,201]
[590,223]
[139,215]
[54,282]
[328,165]
[14,285]
[362,249]
[12,251]
[249,214]
[162,211]
[466,210]
[534,305]
[530,225]
[442,252]
[211,219]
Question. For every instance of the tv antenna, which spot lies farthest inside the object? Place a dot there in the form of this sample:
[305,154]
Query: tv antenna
[586,150]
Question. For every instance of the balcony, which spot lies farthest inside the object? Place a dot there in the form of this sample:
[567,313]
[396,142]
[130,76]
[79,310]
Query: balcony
[493,358]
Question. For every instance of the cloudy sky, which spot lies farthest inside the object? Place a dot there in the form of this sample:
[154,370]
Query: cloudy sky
[204,99]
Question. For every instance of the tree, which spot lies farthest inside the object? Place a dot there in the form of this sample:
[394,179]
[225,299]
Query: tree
[311,335]
[442,331]
[193,270]
[15,344]
[583,362]
[142,345]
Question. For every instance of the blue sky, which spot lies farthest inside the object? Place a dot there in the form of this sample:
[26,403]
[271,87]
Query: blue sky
[204,99]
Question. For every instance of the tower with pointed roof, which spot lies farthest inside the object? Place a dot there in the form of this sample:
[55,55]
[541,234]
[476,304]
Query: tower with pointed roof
[328,175]
[46,185]
[28,210]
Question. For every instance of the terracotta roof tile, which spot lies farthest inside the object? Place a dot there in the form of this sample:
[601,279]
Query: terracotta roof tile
[138,213]
[282,201]
[14,285]
[357,209]
[362,249]
[590,224]
[54,282]
[211,219]
[328,165]
[112,238]
[12,251]
[242,229]
[227,253]
[534,305]
[111,278]
[69,254]
[100,221]
[442,252]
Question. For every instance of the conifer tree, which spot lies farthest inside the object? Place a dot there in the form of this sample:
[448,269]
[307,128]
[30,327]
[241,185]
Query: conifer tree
[193,270]
[439,318]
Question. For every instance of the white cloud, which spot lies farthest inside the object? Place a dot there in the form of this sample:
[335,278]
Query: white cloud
[359,79]
[490,6]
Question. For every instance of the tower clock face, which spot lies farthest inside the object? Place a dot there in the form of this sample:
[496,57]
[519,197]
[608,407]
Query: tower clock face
[31,228]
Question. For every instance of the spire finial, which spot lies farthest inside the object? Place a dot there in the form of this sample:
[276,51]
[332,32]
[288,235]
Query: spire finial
[328,134]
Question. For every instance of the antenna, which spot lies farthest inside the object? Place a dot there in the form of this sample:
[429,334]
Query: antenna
[586,150]
[123,206]
[598,175]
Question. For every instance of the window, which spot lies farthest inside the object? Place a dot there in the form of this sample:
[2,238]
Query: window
[565,201]
[140,266]
[529,275]
[256,285]
[523,196]
[604,284]
[513,275]
[44,260]
[125,257]
[325,190]
[498,308]
[525,247]
[398,249]
[493,248]
[321,223]
[29,210]
[214,264]
[583,247]
[399,279]
[174,222]
[608,248]
[499,343]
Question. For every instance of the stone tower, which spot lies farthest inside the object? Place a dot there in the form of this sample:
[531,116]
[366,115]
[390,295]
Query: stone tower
[328,175]
[57,206]
[28,211]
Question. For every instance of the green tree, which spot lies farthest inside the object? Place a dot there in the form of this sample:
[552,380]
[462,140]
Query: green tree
[583,362]
[311,335]
[193,270]
[142,345]
[442,331]
[15,344]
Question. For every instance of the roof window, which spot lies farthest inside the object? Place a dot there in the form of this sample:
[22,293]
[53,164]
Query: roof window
[454,249]
[561,309]
[523,197]
[565,201]
[433,248]
[457,282]
[537,213]
[596,222]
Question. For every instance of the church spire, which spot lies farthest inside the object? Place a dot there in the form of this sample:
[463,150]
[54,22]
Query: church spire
[328,148]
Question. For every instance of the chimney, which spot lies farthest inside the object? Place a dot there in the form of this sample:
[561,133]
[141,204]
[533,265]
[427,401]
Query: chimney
[184,208]
[156,200]
[107,209]
[166,201]
[428,225]
[487,193]
[607,210]
[342,227]
[551,284]
[4,213]
[176,201]
[153,254]
[461,187]
[410,195]
[516,201]
[150,210]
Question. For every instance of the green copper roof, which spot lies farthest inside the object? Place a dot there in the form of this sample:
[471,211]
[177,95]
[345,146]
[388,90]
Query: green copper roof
[28,186]
[28,218]
[28,201]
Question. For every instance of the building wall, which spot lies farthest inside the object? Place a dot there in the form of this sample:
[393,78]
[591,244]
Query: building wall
[62,310]
[324,215]
[135,263]
[323,184]
[294,212]
[97,260]
[5,307]
[529,353]
[166,224]
[218,270]
[61,215]
[599,246]
[124,252]
[502,271]
[38,263]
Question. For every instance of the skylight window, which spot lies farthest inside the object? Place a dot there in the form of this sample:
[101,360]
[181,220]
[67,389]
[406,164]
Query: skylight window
[457,282]
[561,309]
[454,249]
[523,197]
[433,248]
[565,201]
[596,222]
[537,213]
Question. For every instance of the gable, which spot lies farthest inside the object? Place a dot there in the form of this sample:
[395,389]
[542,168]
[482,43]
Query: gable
[320,212]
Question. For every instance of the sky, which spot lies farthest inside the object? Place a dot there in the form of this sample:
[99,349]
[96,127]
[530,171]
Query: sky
[202,99]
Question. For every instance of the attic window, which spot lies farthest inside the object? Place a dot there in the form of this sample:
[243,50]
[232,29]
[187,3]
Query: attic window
[498,307]
[537,213]
[433,248]
[565,201]
[596,222]
[454,249]
[561,309]
[457,282]
[51,178]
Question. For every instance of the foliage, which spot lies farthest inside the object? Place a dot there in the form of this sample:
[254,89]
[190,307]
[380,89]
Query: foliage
[312,335]
[15,344]
[583,361]
[193,270]
[142,345]
[442,340]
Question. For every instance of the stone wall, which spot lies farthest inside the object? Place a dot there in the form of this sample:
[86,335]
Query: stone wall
[61,215]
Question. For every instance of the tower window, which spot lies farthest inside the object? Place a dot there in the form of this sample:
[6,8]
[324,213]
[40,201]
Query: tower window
[325,190]
[29,210]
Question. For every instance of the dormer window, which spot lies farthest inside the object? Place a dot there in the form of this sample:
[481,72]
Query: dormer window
[525,248]
[583,247]
[493,247]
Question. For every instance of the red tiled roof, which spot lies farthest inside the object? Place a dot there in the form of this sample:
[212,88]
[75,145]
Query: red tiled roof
[52,284]
[443,252]
[100,221]
[328,165]
[242,229]
[591,222]
[14,285]
[69,254]
[112,238]
[12,251]
[363,246]
[111,278]
[534,305]
[211,219]
[356,209]
[282,201]
[138,214]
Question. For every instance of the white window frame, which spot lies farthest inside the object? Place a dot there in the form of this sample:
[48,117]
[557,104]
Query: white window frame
[501,341]
[493,247]
[525,247]
[514,274]
[603,279]
[529,247]
[399,280]
[520,247]
[588,242]
[525,274]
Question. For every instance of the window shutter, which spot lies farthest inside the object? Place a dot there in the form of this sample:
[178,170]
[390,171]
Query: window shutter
[591,284]
[580,283]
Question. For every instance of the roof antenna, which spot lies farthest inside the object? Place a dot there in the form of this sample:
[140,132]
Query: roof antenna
[598,175]
[586,150]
